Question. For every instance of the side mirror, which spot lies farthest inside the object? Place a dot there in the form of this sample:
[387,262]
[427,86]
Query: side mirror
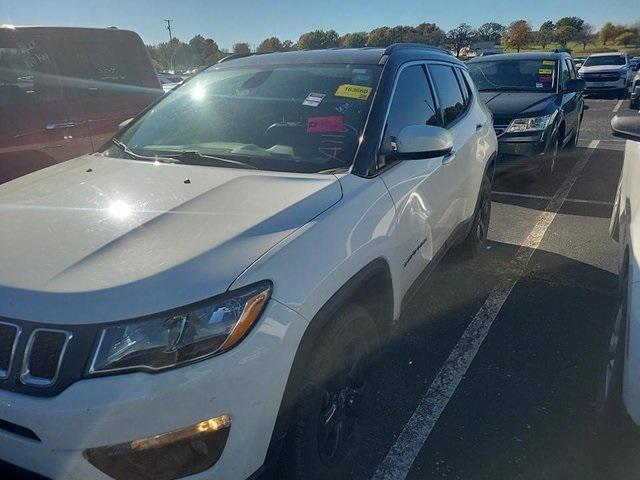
[423,141]
[121,125]
[626,127]
[575,85]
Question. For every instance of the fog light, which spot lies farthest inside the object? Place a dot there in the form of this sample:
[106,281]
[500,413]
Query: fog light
[167,456]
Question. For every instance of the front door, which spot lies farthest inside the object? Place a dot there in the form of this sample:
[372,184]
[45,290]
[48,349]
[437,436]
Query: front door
[418,187]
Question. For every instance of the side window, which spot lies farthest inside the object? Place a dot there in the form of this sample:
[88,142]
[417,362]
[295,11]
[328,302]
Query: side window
[28,74]
[464,86]
[564,74]
[98,61]
[452,103]
[412,104]
[572,68]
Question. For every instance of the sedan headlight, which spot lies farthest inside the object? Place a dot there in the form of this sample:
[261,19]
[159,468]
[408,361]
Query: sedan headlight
[531,124]
[169,340]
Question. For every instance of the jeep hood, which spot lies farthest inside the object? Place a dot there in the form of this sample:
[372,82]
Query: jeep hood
[511,104]
[98,239]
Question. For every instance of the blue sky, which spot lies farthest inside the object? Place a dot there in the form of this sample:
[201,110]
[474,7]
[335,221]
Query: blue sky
[251,21]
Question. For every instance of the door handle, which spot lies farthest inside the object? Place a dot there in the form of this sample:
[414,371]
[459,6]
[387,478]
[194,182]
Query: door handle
[448,158]
[57,126]
[479,126]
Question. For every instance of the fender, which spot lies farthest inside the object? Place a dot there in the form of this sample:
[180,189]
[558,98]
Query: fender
[376,274]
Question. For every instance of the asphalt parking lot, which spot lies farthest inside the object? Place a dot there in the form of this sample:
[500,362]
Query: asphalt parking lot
[494,370]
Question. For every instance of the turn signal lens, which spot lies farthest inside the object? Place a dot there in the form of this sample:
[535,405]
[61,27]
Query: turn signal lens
[167,456]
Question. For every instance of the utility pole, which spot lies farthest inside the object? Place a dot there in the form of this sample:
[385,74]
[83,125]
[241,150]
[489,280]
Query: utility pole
[169,28]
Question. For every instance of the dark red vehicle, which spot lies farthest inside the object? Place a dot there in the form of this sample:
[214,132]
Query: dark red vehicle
[64,91]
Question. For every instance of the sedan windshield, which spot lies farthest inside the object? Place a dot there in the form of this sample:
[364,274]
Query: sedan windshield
[520,75]
[604,60]
[285,118]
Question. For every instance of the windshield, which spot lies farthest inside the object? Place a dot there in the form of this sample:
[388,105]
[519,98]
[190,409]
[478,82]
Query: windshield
[512,74]
[604,60]
[286,118]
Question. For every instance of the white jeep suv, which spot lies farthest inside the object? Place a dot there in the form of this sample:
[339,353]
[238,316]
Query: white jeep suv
[205,295]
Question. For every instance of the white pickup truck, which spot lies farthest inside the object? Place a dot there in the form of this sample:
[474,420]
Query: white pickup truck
[205,296]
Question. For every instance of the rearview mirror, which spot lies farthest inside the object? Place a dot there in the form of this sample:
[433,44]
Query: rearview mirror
[626,127]
[575,85]
[423,141]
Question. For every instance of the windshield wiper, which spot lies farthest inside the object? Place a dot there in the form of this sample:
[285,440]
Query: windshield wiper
[125,148]
[194,156]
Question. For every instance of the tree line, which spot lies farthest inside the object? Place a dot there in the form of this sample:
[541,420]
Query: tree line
[518,35]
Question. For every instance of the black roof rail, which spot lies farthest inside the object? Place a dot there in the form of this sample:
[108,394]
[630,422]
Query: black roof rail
[424,46]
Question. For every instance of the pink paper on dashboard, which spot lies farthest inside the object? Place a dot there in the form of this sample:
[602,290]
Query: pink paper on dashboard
[333,123]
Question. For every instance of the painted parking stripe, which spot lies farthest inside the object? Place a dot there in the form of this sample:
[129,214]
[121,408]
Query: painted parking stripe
[397,463]
[544,197]
[617,107]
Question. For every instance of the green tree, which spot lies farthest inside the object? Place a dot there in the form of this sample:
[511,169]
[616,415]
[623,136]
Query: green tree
[288,45]
[627,37]
[431,34]
[608,32]
[546,34]
[319,39]
[574,22]
[355,40]
[491,32]
[518,35]
[241,47]
[460,37]
[271,44]
[565,34]
[585,36]
[380,37]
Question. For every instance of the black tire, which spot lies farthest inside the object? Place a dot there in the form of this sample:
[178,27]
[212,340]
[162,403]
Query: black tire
[476,240]
[325,428]
[634,105]
[576,135]
[612,415]
[549,161]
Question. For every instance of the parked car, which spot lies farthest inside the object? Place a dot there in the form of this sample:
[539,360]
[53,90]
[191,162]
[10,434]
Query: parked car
[65,91]
[578,61]
[607,72]
[537,105]
[634,102]
[207,294]
[619,396]
[169,81]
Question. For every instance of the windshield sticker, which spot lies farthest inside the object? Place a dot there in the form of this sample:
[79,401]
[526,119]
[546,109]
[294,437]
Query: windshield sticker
[334,123]
[539,85]
[313,99]
[545,71]
[353,91]
[549,62]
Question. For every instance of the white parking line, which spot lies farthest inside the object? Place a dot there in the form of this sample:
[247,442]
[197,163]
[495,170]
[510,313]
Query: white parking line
[397,463]
[543,197]
[617,107]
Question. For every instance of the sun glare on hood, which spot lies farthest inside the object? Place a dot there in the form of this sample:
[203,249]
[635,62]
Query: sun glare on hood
[119,209]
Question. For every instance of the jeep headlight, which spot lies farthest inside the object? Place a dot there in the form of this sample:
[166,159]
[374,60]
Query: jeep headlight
[529,124]
[182,336]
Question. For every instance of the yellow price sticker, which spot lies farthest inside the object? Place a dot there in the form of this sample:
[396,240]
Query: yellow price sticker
[545,71]
[549,62]
[353,91]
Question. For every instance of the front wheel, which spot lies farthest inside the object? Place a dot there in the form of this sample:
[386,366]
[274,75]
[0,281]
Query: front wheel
[326,426]
[476,240]
[549,161]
